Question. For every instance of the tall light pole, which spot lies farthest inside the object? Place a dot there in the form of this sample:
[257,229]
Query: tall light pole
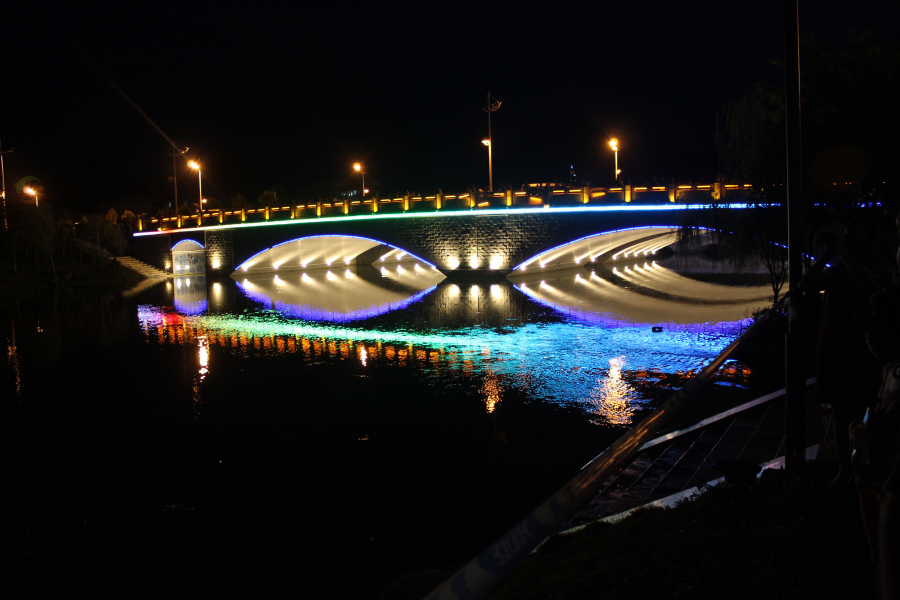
[195,166]
[359,169]
[490,105]
[614,144]
[176,152]
[795,385]
[3,177]
[487,142]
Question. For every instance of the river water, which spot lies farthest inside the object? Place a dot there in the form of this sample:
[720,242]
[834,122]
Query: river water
[330,429]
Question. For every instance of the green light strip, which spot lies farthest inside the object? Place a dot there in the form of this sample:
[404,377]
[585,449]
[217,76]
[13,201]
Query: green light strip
[451,213]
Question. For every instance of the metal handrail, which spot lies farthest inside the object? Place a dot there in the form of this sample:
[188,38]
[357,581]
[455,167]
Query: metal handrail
[481,574]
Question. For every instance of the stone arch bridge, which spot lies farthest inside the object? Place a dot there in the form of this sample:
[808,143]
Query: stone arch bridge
[491,241]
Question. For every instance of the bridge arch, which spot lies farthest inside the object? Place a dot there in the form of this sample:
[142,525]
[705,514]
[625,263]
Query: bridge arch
[612,245]
[326,251]
[497,240]
[335,278]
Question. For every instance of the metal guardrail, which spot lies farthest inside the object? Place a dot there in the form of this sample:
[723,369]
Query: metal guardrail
[480,575]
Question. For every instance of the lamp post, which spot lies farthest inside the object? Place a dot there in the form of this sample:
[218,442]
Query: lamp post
[487,142]
[614,144]
[359,169]
[3,192]
[176,152]
[196,167]
[490,105]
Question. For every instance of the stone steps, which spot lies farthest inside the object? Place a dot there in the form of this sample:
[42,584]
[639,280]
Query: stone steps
[143,268]
[670,465]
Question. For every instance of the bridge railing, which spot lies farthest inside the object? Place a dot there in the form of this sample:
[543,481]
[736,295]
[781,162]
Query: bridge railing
[532,197]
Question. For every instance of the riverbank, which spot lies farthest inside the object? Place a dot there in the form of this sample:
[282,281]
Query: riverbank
[776,540]
[27,279]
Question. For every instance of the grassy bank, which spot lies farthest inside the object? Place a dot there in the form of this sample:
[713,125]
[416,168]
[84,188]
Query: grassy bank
[778,540]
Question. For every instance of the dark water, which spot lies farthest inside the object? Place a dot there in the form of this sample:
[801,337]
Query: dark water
[326,431]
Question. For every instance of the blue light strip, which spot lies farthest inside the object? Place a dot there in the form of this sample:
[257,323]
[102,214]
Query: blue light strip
[456,213]
[188,240]
[358,237]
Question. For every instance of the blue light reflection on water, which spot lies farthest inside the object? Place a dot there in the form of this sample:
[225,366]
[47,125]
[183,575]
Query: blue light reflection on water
[313,313]
[580,359]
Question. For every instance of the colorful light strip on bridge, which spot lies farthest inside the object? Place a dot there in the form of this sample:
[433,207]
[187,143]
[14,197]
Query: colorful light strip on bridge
[456,213]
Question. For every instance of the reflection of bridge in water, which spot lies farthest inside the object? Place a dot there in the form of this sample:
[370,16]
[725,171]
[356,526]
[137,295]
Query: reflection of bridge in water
[679,289]
[581,335]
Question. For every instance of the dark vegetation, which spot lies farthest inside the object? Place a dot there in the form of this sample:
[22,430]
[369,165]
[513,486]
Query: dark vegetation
[776,540]
[850,129]
[43,246]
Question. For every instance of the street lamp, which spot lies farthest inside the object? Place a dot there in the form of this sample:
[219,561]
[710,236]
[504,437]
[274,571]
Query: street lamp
[359,169]
[490,105]
[176,152]
[614,144]
[196,167]
[487,142]
[32,192]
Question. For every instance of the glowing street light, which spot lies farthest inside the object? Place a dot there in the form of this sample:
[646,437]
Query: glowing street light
[195,166]
[359,169]
[32,192]
[614,144]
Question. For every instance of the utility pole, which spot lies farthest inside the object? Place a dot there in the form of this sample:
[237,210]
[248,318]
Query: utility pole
[176,152]
[795,385]
[3,177]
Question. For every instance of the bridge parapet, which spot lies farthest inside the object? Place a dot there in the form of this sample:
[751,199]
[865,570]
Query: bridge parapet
[544,196]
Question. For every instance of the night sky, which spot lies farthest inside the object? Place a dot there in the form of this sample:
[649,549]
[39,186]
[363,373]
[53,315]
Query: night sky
[292,96]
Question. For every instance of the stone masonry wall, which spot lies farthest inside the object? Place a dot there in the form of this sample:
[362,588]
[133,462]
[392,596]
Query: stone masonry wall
[468,241]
